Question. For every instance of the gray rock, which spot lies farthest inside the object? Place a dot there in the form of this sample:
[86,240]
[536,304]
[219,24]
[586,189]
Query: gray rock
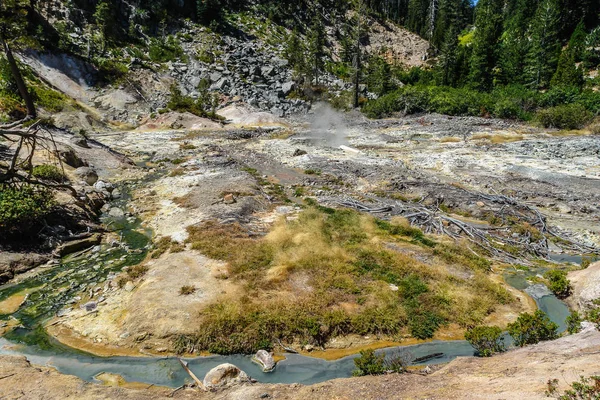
[63,312]
[221,84]
[225,375]
[90,306]
[278,112]
[80,141]
[299,152]
[70,157]
[87,174]
[116,212]
[287,87]
[129,286]
[116,194]
[265,360]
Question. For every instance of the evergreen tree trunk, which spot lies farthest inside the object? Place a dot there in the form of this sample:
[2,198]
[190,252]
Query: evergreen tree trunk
[14,68]
[358,60]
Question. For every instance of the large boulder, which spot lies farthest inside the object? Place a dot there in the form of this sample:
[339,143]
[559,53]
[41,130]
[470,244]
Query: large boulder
[77,245]
[71,158]
[586,287]
[265,360]
[17,263]
[87,174]
[225,375]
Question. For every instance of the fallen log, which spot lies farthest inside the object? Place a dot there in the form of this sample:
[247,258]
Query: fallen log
[190,373]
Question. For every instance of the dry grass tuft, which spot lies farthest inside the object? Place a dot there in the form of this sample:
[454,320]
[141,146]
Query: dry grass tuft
[450,139]
[301,276]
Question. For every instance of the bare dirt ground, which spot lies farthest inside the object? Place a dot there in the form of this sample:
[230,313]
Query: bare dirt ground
[521,374]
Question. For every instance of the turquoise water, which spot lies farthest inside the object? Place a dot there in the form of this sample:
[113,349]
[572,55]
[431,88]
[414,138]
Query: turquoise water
[294,369]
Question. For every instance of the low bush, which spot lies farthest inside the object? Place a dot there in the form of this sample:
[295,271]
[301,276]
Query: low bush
[369,363]
[48,172]
[22,208]
[573,322]
[180,103]
[49,99]
[164,51]
[560,107]
[486,340]
[558,283]
[568,116]
[532,329]
[584,389]
[137,271]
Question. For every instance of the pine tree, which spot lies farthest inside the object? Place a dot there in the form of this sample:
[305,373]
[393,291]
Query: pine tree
[295,53]
[13,21]
[542,56]
[514,44]
[488,28]
[316,48]
[591,53]
[378,76]
[577,41]
[448,60]
[567,73]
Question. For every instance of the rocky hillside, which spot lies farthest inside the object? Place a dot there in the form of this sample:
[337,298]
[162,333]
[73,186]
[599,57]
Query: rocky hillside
[246,64]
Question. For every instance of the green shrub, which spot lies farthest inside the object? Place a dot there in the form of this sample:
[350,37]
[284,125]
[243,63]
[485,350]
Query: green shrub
[573,322]
[369,363]
[423,325]
[48,173]
[164,51]
[487,340]
[21,208]
[568,116]
[532,329]
[593,316]
[559,95]
[584,389]
[180,103]
[559,284]
[49,99]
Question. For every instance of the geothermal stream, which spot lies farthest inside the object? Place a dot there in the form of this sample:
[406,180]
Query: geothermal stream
[56,287]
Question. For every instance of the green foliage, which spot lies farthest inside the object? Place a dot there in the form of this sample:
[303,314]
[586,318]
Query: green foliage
[568,116]
[22,208]
[593,316]
[486,340]
[49,99]
[532,329]
[165,50]
[369,363]
[295,52]
[559,284]
[378,76]
[316,48]
[573,322]
[180,103]
[541,59]
[584,389]
[48,172]
[488,29]
[567,73]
